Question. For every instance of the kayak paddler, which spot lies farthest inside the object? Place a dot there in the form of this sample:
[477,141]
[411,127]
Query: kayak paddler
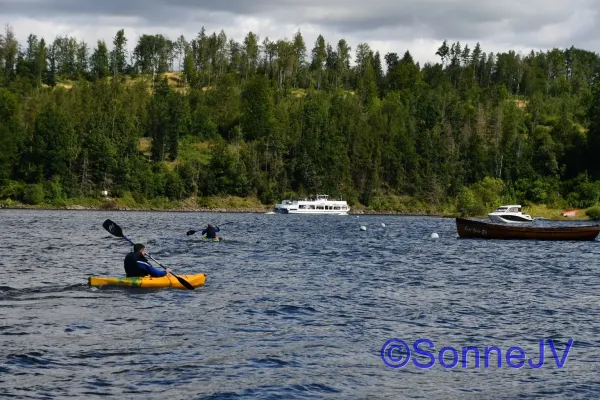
[210,231]
[136,264]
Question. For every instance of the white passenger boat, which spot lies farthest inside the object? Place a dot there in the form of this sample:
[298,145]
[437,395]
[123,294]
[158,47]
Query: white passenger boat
[319,205]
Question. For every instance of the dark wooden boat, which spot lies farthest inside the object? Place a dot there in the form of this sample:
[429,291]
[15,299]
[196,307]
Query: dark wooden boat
[476,229]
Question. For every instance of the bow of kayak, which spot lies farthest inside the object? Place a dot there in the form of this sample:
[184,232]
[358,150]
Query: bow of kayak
[150,282]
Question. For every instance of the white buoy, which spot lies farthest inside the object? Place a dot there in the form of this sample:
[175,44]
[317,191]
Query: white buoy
[363,228]
[435,236]
[383,225]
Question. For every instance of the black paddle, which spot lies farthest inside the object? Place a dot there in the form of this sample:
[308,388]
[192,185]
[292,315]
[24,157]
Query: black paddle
[191,231]
[118,232]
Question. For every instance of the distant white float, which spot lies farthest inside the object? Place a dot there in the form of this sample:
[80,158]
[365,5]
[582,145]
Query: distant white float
[435,236]
[363,228]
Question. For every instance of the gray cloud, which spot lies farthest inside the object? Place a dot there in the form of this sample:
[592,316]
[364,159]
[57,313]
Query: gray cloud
[151,11]
[519,24]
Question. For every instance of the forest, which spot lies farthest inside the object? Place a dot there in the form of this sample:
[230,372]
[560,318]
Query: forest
[161,121]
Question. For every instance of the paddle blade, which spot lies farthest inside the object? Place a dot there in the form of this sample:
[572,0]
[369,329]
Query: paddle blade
[190,232]
[113,228]
[183,282]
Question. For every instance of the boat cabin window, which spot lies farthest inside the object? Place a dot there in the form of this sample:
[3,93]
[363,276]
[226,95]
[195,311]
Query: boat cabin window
[514,209]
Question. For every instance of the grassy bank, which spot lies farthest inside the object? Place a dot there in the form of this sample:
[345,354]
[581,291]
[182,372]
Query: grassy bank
[389,205]
[128,203]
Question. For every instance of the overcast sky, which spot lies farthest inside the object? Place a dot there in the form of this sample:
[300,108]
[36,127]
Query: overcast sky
[419,26]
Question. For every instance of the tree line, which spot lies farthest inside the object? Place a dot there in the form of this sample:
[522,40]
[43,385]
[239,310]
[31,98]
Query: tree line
[277,118]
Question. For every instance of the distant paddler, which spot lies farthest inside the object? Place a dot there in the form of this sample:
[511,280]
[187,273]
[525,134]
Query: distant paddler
[210,232]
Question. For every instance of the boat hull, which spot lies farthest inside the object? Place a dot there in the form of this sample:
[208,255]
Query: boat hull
[476,229]
[149,282]
[313,212]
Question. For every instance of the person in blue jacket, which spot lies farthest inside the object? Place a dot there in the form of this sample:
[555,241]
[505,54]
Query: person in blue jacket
[210,231]
[136,264]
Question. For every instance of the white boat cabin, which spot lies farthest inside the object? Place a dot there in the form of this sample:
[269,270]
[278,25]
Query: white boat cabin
[509,214]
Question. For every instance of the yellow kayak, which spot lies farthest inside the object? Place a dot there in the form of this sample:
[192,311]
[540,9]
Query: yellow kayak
[150,282]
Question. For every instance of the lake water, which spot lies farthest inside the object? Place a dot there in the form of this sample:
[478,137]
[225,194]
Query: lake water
[293,307]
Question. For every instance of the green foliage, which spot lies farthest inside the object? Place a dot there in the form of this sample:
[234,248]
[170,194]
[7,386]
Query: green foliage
[174,188]
[468,204]
[489,191]
[230,202]
[10,133]
[6,203]
[193,151]
[99,61]
[257,108]
[12,190]
[582,193]
[109,204]
[474,131]
[160,203]
[593,213]
[400,204]
[126,200]
[555,200]
[188,176]
[90,202]
[33,194]
[54,144]
[53,190]
[532,190]
[225,174]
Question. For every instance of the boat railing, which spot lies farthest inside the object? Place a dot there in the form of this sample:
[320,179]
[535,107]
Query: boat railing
[310,199]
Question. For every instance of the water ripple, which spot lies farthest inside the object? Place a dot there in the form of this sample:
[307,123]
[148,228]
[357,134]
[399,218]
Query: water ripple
[293,307]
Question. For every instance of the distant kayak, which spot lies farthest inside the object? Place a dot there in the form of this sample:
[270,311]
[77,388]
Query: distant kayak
[217,239]
[149,282]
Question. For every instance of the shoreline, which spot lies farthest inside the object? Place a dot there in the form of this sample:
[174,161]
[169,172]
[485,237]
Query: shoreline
[251,210]
[251,205]
[240,210]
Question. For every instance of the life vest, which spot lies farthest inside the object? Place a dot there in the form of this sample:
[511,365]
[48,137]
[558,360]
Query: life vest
[132,268]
